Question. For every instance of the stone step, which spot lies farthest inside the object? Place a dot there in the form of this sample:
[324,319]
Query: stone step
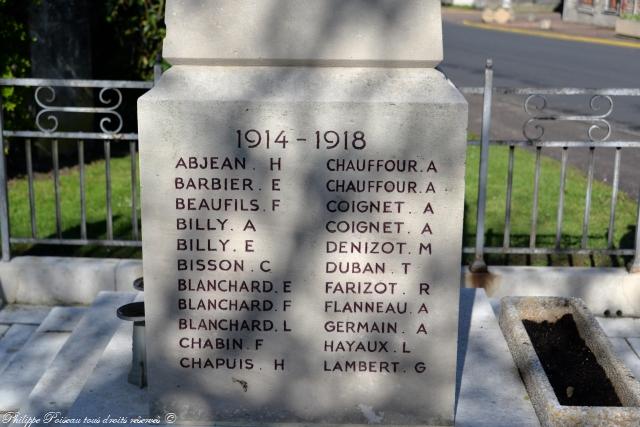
[107,391]
[25,314]
[29,363]
[17,324]
[12,341]
[60,385]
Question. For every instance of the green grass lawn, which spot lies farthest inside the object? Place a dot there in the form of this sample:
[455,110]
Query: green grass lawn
[520,222]
[96,209]
[522,203]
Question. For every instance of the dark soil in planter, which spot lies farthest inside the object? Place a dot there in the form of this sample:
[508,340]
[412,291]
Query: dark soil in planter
[573,371]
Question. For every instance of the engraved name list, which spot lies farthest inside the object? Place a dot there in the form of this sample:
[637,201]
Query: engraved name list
[372,228]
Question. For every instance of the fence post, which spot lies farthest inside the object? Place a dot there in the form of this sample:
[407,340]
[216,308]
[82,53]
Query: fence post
[4,196]
[479,265]
[634,266]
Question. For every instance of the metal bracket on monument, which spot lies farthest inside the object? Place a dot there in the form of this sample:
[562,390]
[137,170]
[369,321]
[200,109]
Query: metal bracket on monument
[135,312]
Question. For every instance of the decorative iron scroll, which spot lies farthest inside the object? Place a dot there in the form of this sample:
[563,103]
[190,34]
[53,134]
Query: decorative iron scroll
[535,106]
[45,95]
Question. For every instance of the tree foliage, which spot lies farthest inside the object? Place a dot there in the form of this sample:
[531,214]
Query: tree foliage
[14,54]
[139,28]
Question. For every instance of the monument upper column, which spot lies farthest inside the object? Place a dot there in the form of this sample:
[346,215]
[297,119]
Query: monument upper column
[330,33]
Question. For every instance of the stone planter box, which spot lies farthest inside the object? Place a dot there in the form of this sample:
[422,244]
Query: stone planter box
[550,412]
[627,27]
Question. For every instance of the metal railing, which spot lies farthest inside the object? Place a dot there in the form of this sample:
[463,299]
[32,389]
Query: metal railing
[110,98]
[535,106]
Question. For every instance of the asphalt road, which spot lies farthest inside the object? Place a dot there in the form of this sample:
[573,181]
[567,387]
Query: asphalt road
[522,60]
[529,61]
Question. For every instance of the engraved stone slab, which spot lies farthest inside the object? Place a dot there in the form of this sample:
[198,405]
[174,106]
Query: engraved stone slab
[302,244]
[384,33]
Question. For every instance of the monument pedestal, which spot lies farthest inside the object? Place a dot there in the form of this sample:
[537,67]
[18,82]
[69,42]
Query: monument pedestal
[335,196]
[302,201]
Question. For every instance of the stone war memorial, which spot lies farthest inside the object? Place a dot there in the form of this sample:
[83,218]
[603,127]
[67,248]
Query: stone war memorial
[302,171]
